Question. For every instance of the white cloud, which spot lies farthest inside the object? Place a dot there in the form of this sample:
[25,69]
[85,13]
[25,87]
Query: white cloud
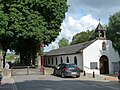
[71,27]
[83,14]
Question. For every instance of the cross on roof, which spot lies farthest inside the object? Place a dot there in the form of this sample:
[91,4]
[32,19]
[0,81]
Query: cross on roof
[99,20]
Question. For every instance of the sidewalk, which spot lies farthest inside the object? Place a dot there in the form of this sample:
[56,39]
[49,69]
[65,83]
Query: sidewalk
[8,84]
[99,77]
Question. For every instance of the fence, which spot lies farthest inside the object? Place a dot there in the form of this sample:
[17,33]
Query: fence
[25,70]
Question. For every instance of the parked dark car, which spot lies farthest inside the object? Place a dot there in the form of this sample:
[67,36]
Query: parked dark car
[67,69]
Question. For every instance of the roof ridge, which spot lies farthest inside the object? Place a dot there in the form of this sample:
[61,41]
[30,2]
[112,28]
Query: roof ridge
[70,49]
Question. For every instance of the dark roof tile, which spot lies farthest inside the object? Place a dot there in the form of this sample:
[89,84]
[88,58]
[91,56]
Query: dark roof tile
[69,49]
[99,28]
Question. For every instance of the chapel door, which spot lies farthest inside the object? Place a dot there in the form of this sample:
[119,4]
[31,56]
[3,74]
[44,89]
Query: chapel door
[104,65]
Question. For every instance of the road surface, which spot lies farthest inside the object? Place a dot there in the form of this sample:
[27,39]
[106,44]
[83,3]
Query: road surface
[49,82]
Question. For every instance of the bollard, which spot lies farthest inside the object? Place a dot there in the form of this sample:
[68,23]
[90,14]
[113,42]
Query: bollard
[93,74]
[28,70]
[84,73]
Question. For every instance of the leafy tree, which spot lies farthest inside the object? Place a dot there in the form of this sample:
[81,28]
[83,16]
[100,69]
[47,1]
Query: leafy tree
[112,29]
[10,57]
[63,42]
[83,37]
[5,34]
[28,23]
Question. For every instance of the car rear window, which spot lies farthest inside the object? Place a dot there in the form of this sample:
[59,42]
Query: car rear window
[71,66]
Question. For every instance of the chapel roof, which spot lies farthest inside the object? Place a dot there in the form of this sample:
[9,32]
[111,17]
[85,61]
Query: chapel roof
[77,48]
[99,28]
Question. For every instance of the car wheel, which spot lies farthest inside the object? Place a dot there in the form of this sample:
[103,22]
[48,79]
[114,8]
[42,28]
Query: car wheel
[63,75]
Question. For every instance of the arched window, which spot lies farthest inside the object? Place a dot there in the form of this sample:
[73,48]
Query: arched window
[75,60]
[48,60]
[61,59]
[52,60]
[67,60]
[56,61]
[103,46]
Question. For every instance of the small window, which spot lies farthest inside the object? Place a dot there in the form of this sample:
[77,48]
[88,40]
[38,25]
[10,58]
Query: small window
[93,65]
[103,46]
[75,60]
[67,60]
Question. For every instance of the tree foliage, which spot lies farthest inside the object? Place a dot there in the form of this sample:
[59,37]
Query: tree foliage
[83,37]
[25,24]
[63,42]
[112,29]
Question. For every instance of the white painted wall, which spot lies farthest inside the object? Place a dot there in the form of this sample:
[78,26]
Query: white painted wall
[93,53]
[64,57]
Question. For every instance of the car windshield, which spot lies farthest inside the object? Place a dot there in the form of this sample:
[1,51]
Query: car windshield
[71,66]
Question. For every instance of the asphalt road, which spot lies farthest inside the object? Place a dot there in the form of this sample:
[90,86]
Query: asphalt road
[49,82]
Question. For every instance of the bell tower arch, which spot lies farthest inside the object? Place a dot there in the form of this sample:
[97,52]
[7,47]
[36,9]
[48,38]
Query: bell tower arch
[101,31]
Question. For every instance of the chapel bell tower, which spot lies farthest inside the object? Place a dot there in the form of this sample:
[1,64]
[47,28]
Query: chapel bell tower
[101,31]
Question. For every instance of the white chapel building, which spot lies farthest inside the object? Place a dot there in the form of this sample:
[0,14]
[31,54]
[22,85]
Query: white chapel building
[96,56]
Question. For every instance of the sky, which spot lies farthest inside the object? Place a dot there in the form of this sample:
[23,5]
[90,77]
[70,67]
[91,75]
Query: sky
[83,15]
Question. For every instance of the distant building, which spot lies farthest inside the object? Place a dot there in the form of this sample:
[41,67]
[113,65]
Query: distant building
[96,55]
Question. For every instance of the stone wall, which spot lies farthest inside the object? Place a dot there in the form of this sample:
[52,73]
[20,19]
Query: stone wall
[6,73]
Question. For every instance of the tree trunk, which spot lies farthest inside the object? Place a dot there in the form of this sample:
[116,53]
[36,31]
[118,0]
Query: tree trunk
[4,58]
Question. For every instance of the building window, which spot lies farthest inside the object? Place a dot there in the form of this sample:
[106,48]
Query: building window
[52,60]
[61,59]
[67,60]
[75,60]
[56,61]
[48,60]
[103,46]
[93,65]
[45,60]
